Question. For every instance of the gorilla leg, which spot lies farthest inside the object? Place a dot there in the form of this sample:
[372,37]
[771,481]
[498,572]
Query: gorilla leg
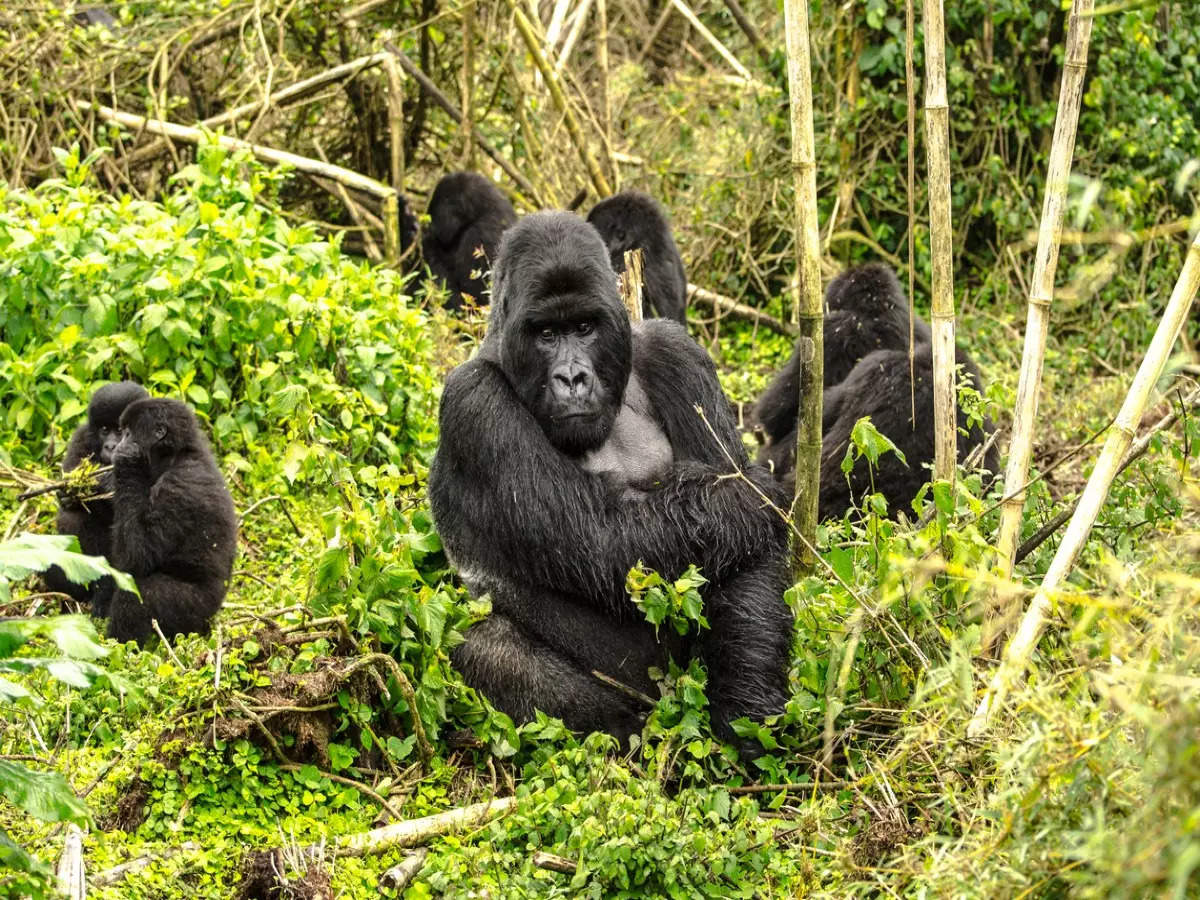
[748,644]
[180,607]
[519,674]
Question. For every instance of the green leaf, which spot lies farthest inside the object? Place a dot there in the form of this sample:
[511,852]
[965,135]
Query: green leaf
[43,795]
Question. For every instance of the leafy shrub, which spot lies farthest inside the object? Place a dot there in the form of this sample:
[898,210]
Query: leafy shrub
[296,355]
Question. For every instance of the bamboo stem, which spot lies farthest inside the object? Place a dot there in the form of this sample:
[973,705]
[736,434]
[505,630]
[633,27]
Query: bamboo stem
[395,80]
[712,39]
[808,313]
[631,284]
[417,831]
[468,82]
[910,90]
[605,93]
[599,182]
[1041,289]
[1020,649]
[941,240]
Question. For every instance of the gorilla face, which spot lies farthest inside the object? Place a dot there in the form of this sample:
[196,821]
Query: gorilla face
[104,412]
[153,431]
[563,336]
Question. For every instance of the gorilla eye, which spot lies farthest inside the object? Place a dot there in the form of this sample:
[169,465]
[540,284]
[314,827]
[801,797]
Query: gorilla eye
[546,334]
[584,327]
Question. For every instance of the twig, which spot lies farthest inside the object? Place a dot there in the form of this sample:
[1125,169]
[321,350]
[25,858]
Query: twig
[808,788]
[350,782]
[451,110]
[748,29]
[729,306]
[632,693]
[170,650]
[282,505]
[118,873]
[1136,451]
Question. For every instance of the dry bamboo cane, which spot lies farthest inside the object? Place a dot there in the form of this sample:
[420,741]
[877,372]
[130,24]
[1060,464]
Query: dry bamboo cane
[599,182]
[1124,429]
[808,313]
[910,91]
[941,241]
[1041,290]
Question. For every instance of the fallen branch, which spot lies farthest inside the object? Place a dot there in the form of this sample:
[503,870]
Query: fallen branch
[554,863]
[443,101]
[118,873]
[418,831]
[728,306]
[1138,449]
[71,883]
[396,878]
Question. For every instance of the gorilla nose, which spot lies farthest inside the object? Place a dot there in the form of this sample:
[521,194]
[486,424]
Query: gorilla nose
[571,383]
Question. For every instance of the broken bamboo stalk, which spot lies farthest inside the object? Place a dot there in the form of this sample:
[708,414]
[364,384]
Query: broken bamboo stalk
[416,831]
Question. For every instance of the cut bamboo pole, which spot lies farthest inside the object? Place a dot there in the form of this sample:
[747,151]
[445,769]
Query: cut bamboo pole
[808,312]
[1019,651]
[910,90]
[417,831]
[1041,290]
[632,285]
[941,241]
[395,80]
[468,83]
[599,182]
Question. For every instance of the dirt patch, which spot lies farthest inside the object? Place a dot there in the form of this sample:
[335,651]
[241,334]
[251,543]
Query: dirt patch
[131,809]
[265,877]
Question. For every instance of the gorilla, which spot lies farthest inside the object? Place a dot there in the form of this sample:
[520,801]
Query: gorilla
[91,521]
[466,212]
[631,220]
[865,311]
[174,528]
[879,387]
[570,450]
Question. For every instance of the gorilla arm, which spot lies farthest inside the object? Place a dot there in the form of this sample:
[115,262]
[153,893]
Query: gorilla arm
[509,505]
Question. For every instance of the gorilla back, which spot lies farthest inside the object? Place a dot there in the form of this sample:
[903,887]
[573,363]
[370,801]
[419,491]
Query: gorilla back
[467,213]
[525,519]
[632,220]
[174,528]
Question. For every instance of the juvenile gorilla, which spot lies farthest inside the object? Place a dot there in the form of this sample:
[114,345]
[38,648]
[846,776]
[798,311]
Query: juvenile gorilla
[174,528]
[571,450]
[91,522]
[466,212]
[865,311]
[631,220]
[879,387]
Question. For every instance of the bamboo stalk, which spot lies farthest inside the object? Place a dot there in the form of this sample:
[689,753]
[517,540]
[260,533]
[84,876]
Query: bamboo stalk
[190,135]
[395,80]
[417,831]
[468,82]
[1124,429]
[941,240]
[599,182]
[910,91]
[432,91]
[1041,289]
[577,23]
[605,93]
[808,312]
[713,41]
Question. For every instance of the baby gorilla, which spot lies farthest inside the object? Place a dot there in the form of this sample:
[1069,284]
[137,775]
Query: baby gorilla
[91,521]
[632,220]
[174,528]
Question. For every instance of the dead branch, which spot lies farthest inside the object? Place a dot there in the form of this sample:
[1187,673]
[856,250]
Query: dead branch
[728,306]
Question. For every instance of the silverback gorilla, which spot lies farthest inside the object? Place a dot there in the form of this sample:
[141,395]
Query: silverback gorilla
[466,212]
[631,220]
[536,508]
[91,522]
[174,528]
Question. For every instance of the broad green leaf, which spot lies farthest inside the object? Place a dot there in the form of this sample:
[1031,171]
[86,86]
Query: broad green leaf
[43,795]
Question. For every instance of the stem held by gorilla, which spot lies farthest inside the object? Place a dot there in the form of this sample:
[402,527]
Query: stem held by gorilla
[808,313]
[1020,648]
[1041,291]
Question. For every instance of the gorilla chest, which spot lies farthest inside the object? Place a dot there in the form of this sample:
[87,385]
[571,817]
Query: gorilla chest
[637,452]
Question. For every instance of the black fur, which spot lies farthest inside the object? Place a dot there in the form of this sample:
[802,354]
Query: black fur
[174,528]
[466,212]
[879,388]
[865,311]
[525,521]
[91,522]
[630,220]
